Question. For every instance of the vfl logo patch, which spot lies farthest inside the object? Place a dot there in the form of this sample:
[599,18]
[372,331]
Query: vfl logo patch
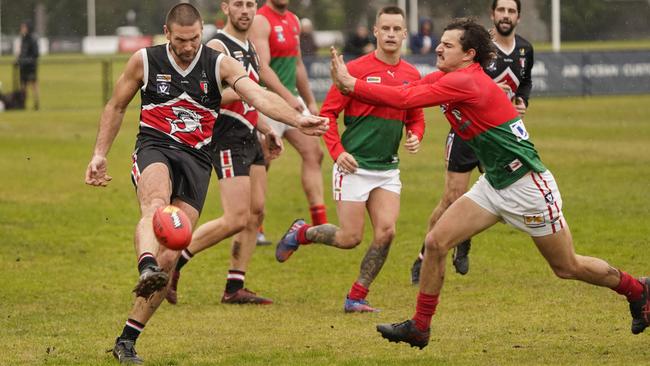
[535,220]
[163,88]
[519,130]
[373,79]
[165,78]
[186,121]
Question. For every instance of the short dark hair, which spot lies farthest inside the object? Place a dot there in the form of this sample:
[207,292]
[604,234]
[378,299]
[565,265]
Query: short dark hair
[518,2]
[183,14]
[391,9]
[474,36]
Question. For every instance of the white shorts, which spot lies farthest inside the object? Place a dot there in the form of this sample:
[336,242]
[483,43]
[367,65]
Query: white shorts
[357,186]
[280,128]
[532,204]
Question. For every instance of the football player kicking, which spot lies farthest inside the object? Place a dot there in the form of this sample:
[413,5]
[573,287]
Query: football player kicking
[180,85]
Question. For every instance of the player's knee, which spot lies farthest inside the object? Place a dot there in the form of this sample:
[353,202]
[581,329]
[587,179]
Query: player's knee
[313,156]
[349,241]
[237,221]
[150,206]
[434,245]
[385,235]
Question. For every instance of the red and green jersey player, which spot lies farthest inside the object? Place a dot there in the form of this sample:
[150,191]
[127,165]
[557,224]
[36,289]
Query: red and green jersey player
[516,187]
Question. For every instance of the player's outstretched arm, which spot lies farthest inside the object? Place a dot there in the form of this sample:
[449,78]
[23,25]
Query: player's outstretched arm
[109,124]
[270,104]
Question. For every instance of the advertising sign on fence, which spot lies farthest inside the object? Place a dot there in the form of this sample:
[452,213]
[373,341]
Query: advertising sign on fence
[554,74]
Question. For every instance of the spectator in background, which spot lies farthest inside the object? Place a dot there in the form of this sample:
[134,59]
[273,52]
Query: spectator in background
[307,42]
[28,60]
[423,42]
[359,43]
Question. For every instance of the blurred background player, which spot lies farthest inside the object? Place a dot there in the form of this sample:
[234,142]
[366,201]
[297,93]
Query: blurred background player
[180,85]
[359,42]
[238,160]
[511,70]
[423,42]
[275,34]
[366,175]
[28,62]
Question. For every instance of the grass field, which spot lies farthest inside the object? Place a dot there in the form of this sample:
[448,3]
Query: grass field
[67,261]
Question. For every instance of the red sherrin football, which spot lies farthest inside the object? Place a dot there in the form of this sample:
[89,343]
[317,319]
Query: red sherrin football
[172,227]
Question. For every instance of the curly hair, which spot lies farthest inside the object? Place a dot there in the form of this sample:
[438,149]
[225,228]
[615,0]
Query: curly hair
[476,37]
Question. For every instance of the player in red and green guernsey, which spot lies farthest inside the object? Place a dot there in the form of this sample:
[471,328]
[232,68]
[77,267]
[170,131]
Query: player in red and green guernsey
[366,175]
[516,187]
[276,35]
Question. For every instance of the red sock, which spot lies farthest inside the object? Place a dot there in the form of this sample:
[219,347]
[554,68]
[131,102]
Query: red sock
[318,214]
[302,235]
[629,287]
[424,310]
[358,292]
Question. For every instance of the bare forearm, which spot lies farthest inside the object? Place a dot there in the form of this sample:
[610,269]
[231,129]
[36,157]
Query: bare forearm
[109,126]
[273,106]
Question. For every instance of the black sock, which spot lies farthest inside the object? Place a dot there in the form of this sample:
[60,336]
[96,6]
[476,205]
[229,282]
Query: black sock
[235,281]
[186,255]
[132,330]
[422,250]
[146,260]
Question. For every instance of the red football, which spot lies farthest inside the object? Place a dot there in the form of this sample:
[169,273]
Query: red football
[172,227]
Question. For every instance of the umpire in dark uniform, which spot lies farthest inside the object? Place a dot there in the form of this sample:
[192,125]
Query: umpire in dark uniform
[28,61]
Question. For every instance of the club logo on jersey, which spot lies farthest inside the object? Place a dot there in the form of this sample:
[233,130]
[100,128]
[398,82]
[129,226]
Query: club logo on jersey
[522,52]
[163,78]
[280,33]
[535,220]
[522,64]
[519,130]
[514,165]
[186,121]
[163,88]
[373,79]
[204,86]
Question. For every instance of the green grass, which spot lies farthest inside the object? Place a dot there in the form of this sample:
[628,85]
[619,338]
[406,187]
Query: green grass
[68,263]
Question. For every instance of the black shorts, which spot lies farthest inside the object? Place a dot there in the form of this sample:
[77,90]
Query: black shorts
[233,157]
[27,73]
[460,157]
[189,174]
